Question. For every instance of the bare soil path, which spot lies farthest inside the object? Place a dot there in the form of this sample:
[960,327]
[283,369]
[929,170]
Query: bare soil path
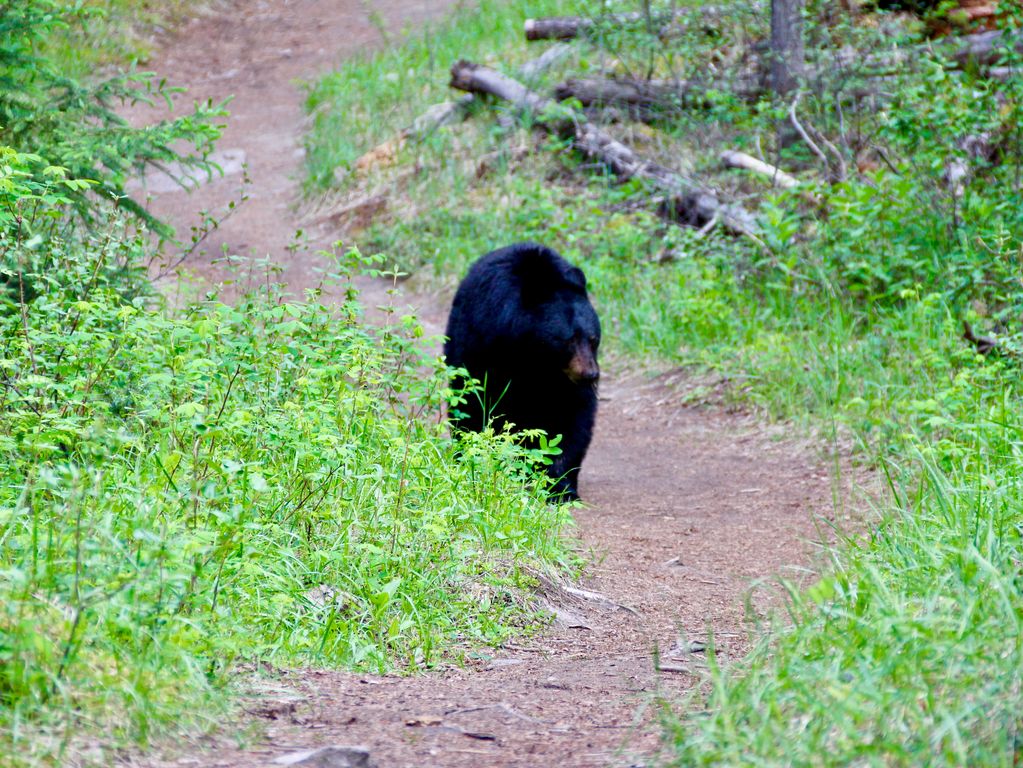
[689,506]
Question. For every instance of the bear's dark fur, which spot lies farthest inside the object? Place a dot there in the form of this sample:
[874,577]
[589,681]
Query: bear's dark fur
[522,325]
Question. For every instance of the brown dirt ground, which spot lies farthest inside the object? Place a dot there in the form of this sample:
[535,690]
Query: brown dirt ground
[688,506]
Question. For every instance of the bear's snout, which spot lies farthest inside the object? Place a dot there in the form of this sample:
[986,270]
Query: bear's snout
[583,368]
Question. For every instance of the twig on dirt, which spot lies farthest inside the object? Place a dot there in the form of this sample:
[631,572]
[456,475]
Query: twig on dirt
[477,735]
[464,751]
[703,581]
[681,668]
[597,597]
[522,648]
[503,706]
[550,585]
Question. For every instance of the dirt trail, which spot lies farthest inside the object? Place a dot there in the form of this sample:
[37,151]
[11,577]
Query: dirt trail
[688,506]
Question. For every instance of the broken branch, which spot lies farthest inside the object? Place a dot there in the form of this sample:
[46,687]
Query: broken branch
[441,114]
[734,159]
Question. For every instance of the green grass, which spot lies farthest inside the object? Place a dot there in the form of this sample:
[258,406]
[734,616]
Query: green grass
[907,649]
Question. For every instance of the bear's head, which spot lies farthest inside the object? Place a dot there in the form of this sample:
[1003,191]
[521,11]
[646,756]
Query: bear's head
[565,326]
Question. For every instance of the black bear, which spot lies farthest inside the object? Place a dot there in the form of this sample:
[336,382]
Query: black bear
[522,324]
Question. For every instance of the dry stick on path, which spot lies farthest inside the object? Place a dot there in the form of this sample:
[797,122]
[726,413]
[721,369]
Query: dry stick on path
[696,204]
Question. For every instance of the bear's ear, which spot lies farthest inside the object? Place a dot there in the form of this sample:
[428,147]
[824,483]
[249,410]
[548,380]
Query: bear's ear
[575,277]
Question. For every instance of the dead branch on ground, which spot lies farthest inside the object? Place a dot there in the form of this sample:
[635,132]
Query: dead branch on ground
[840,171]
[734,159]
[693,203]
[646,96]
[439,115]
[984,345]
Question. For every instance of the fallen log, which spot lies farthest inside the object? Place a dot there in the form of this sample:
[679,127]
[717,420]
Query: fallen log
[647,96]
[981,50]
[694,204]
[446,112]
[556,27]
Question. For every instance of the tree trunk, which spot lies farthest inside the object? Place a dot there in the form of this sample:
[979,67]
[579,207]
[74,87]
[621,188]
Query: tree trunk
[786,45]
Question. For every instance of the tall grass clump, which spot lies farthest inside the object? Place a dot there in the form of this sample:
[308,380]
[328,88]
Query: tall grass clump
[908,650]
